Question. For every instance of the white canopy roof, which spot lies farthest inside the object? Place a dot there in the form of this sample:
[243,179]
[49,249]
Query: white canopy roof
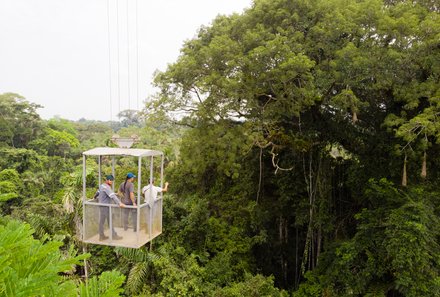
[114,151]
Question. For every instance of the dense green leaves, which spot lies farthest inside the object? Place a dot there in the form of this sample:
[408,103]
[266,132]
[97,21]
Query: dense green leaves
[395,248]
[295,105]
[108,284]
[30,267]
[19,120]
[10,184]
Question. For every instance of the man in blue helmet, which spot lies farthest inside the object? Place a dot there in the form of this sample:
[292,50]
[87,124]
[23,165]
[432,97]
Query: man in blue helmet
[106,195]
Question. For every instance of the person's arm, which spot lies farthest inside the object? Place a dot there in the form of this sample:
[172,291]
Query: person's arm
[132,198]
[113,196]
[165,188]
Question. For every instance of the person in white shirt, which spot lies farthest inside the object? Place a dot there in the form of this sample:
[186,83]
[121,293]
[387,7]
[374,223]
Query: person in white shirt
[150,192]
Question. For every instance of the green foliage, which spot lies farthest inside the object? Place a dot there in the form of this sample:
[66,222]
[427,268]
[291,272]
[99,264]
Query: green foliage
[399,227]
[10,175]
[20,159]
[312,287]
[266,94]
[255,286]
[30,267]
[8,191]
[108,284]
[157,135]
[61,125]
[55,143]
[179,278]
[412,242]
[10,184]
[92,133]
[47,218]
[104,259]
[19,120]
[130,117]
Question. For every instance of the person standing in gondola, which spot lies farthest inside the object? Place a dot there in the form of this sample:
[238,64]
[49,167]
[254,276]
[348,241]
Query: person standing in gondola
[127,191]
[150,192]
[106,195]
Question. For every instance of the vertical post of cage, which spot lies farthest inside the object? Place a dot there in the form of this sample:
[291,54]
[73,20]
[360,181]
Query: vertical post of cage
[84,180]
[99,170]
[161,202]
[161,174]
[113,172]
[150,223]
[138,209]
[110,222]
[139,180]
[84,195]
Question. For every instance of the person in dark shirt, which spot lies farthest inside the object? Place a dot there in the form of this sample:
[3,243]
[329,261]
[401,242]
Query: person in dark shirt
[126,189]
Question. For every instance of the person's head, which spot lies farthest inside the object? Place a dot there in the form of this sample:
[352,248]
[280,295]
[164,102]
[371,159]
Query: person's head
[109,179]
[130,176]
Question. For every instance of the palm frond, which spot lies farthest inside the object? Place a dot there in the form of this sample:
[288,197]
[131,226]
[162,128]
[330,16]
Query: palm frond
[107,285]
[137,277]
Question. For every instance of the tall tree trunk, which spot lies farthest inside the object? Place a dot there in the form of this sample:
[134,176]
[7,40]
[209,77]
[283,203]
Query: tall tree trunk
[318,244]
[404,178]
[423,173]
[354,118]
[260,177]
[296,258]
[307,260]
[286,241]
[283,239]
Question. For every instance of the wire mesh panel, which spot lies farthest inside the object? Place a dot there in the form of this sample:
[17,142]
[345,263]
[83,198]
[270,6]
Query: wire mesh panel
[91,222]
[157,218]
[104,224]
[145,221]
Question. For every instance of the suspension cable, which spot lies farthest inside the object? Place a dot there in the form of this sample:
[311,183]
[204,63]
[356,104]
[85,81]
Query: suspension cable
[109,65]
[128,59]
[137,57]
[117,38]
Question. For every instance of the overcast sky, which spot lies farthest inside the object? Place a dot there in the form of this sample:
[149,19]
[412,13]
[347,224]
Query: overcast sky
[56,52]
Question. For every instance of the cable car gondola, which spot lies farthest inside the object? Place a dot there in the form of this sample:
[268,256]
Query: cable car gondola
[148,214]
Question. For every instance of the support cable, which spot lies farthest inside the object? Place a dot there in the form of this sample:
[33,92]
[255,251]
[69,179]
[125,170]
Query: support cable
[137,57]
[109,65]
[117,38]
[128,59]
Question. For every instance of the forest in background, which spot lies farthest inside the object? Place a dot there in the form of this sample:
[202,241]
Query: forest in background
[302,146]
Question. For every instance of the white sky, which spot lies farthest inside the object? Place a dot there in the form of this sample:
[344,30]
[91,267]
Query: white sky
[56,52]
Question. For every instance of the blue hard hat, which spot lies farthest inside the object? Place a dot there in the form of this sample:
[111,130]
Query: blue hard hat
[130,175]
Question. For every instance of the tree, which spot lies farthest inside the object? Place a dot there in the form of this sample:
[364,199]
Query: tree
[55,143]
[297,98]
[19,120]
[129,117]
[31,267]
[9,184]
[399,227]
